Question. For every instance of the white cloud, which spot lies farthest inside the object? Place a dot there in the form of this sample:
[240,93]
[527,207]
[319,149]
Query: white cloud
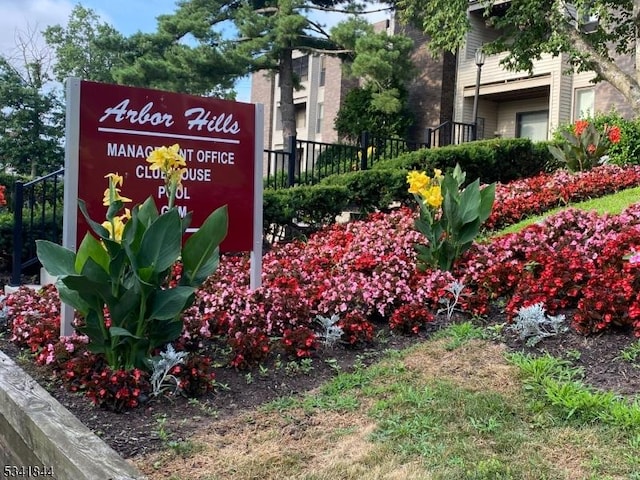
[26,19]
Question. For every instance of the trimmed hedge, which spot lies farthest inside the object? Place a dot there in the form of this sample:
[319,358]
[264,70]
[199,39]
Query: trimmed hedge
[371,190]
[313,205]
[495,160]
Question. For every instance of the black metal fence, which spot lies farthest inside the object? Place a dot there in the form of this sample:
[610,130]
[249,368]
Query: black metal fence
[37,214]
[451,133]
[305,162]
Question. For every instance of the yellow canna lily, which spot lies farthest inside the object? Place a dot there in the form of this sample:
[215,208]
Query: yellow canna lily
[116,227]
[433,196]
[112,195]
[417,181]
[115,179]
[166,158]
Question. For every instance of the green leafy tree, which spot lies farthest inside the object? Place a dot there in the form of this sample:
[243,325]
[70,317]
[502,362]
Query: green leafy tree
[529,28]
[359,114]
[86,47]
[383,64]
[183,55]
[205,45]
[31,120]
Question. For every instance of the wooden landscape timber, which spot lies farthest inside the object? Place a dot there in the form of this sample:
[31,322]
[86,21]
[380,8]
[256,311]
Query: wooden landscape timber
[38,435]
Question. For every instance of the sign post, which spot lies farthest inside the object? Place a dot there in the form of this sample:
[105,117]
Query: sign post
[113,128]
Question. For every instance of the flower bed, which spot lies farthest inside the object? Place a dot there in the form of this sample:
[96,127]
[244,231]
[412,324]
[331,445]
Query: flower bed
[364,272]
[531,196]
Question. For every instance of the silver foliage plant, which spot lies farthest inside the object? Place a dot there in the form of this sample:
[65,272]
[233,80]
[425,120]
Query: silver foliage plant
[4,312]
[161,379]
[532,324]
[331,333]
[450,302]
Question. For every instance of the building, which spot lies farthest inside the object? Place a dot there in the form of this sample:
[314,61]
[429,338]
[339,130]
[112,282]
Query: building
[516,104]
[509,104]
[324,87]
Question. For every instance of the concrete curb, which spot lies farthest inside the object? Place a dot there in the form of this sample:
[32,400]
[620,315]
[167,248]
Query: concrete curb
[38,433]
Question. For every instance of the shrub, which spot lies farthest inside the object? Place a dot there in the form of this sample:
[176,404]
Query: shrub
[334,159]
[371,190]
[450,217]
[43,227]
[627,150]
[356,329]
[117,390]
[532,324]
[585,145]
[299,342]
[35,318]
[195,376]
[8,181]
[248,347]
[315,205]
[495,160]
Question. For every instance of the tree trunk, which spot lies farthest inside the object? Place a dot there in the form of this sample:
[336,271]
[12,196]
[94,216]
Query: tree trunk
[626,84]
[287,110]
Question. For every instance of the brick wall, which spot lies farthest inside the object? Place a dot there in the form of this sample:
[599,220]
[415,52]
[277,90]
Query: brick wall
[607,97]
[262,91]
[335,89]
[431,93]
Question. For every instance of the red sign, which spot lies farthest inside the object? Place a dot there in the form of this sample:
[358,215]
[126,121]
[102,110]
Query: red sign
[120,126]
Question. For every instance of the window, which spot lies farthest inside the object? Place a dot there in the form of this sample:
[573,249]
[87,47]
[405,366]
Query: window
[319,115]
[584,103]
[278,118]
[301,68]
[532,125]
[301,115]
[323,72]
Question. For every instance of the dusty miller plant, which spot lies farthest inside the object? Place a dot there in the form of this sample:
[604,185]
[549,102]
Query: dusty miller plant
[533,324]
[331,333]
[4,313]
[450,302]
[161,379]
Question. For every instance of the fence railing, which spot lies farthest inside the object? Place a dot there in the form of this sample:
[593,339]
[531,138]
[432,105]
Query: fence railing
[451,133]
[37,214]
[306,162]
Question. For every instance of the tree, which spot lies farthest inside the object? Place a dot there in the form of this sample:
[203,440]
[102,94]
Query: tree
[261,34]
[87,48]
[529,28]
[383,64]
[204,46]
[358,114]
[94,50]
[31,120]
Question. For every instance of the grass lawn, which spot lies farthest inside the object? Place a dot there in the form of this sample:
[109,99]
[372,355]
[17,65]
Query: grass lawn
[455,407]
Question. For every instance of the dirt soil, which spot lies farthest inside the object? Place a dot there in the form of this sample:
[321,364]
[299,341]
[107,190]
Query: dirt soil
[144,430]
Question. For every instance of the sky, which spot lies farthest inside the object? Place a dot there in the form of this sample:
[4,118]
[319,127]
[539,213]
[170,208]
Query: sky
[26,18]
